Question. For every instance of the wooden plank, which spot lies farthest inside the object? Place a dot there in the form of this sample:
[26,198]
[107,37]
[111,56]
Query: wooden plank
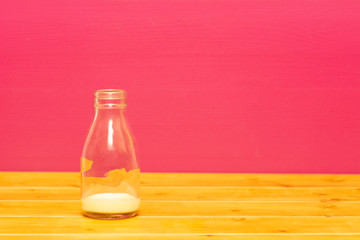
[205,225]
[273,212]
[35,193]
[92,236]
[197,193]
[251,193]
[43,179]
[271,180]
[72,179]
[66,208]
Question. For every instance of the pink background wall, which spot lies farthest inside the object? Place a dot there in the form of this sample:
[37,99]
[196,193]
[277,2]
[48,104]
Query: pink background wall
[214,86]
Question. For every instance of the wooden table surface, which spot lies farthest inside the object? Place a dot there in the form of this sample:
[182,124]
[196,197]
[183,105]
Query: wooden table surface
[188,206]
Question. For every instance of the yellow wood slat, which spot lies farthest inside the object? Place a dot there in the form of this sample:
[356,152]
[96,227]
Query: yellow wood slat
[274,180]
[182,237]
[251,194]
[197,193]
[40,179]
[71,179]
[66,208]
[47,193]
[171,225]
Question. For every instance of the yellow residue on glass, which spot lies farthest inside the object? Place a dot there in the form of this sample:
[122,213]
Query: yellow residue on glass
[85,164]
[117,180]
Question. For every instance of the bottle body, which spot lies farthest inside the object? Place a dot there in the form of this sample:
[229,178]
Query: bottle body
[110,175]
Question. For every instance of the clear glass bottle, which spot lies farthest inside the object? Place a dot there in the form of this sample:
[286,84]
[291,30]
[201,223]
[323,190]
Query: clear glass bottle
[109,170]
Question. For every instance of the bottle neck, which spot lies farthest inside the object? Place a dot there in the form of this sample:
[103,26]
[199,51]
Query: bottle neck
[110,111]
[110,103]
[101,103]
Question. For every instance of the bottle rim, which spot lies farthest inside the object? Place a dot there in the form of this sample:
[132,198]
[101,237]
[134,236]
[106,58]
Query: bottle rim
[110,94]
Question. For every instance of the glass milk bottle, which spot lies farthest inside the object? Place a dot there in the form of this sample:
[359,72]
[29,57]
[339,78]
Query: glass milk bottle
[109,170]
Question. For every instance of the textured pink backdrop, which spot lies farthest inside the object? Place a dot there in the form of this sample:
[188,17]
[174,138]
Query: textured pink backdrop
[214,86]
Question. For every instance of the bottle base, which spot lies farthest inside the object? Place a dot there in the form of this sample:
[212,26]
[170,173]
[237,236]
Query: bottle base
[109,216]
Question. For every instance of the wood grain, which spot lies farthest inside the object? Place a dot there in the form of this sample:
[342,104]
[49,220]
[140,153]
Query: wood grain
[235,236]
[190,206]
[161,225]
[279,194]
[72,179]
[42,179]
[180,208]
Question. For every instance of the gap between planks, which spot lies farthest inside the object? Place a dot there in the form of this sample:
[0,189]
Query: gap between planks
[185,201]
[319,236]
[66,208]
[181,187]
[181,234]
[180,217]
[166,236]
[166,225]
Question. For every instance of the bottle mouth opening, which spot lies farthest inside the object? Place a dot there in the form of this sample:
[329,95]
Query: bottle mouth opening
[110,94]
[110,98]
